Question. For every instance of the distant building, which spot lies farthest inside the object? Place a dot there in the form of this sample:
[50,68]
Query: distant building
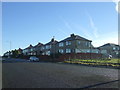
[20,51]
[74,44]
[49,48]
[37,49]
[28,50]
[6,54]
[112,49]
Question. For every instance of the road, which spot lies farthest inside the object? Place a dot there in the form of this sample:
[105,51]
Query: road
[0,72]
[56,75]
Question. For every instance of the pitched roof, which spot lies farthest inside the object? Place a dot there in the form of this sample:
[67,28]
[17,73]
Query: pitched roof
[19,49]
[30,46]
[75,37]
[38,45]
[52,42]
[109,44]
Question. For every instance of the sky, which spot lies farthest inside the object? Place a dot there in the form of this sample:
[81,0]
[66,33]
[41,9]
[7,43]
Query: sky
[25,23]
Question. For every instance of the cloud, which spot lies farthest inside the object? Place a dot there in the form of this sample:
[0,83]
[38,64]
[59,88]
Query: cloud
[95,30]
[67,24]
[100,42]
[83,30]
[93,26]
[117,7]
[106,38]
[62,31]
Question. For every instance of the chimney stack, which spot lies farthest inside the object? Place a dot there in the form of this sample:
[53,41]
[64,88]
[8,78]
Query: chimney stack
[72,35]
[52,40]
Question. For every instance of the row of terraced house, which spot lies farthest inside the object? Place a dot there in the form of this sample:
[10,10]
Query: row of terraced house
[72,45]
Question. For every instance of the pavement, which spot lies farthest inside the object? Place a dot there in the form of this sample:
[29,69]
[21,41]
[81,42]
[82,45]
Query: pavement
[57,75]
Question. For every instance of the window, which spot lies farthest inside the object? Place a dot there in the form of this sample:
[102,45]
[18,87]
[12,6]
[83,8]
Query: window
[43,53]
[47,52]
[89,44]
[86,43]
[26,50]
[114,48]
[79,42]
[61,51]
[103,51]
[88,51]
[78,50]
[96,51]
[34,53]
[117,48]
[68,42]
[68,50]
[117,53]
[42,48]
[61,44]
[48,46]
[31,49]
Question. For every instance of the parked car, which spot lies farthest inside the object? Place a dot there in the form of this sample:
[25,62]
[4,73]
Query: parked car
[34,58]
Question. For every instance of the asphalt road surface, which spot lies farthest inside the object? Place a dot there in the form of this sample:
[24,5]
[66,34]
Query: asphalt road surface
[56,75]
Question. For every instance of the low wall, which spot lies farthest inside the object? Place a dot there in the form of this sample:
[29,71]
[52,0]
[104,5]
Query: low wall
[69,56]
[80,56]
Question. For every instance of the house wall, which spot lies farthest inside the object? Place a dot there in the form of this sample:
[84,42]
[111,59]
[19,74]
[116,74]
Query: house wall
[74,45]
[71,47]
[111,50]
[83,44]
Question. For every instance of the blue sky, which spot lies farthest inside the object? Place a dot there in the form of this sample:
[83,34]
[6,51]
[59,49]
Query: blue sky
[25,23]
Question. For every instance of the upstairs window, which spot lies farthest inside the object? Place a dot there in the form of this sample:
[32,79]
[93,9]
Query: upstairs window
[42,48]
[48,46]
[118,48]
[61,44]
[114,48]
[86,43]
[89,44]
[79,42]
[31,49]
[68,42]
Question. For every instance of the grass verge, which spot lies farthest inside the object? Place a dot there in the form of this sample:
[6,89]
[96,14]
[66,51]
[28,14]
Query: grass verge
[103,62]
